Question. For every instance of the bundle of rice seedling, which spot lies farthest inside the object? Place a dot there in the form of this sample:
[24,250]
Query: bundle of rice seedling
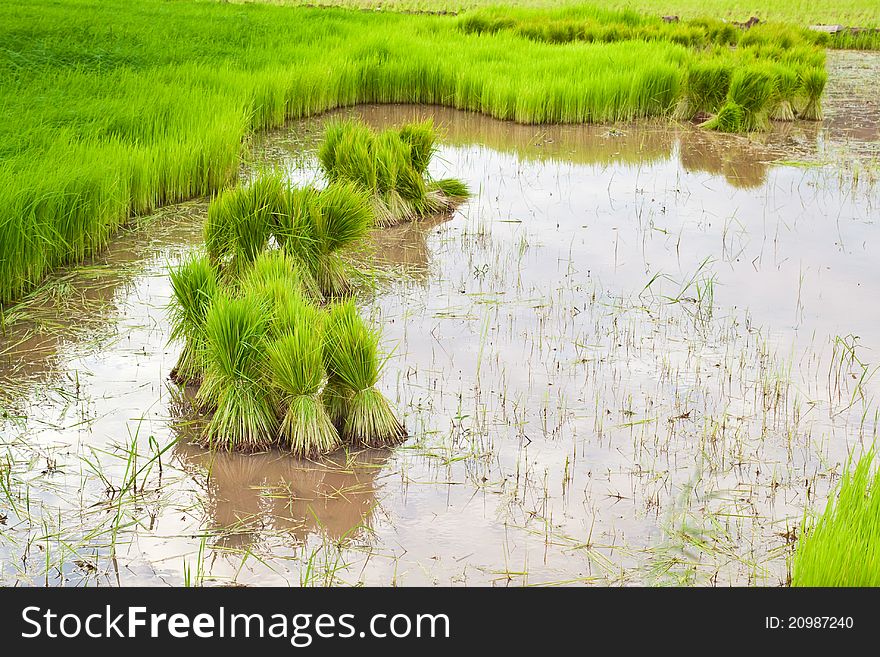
[241,221]
[293,312]
[748,102]
[421,138]
[235,384]
[352,352]
[842,548]
[786,89]
[343,218]
[195,285]
[398,193]
[347,154]
[294,230]
[812,83]
[296,364]
[275,275]
[446,194]
[705,89]
[336,397]
[392,167]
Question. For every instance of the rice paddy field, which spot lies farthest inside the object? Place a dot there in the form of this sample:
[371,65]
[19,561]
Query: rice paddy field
[289,298]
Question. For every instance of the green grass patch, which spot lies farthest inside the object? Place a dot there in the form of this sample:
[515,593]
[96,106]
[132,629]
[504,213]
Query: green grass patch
[842,546]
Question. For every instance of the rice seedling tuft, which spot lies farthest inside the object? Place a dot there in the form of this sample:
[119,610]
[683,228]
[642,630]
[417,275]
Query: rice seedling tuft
[391,167]
[296,364]
[749,100]
[352,352]
[241,220]
[342,218]
[842,547]
[787,86]
[812,85]
[276,276]
[235,385]
[336,397]
[195,285]
[705,89]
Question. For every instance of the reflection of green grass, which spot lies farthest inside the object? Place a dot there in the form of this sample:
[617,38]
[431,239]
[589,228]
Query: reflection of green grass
[842,548]
[153,105]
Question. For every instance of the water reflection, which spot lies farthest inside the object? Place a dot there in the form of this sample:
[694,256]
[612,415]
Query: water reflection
[245,494]
[79,304]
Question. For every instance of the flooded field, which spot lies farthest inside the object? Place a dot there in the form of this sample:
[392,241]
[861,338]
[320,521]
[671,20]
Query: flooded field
[636,356]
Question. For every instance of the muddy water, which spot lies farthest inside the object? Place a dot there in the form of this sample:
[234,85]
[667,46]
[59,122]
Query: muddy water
[626,360]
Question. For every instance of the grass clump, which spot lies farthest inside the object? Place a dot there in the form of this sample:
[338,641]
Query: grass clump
[296,362]
[391,167]
[812,85]
[352,353]
[842,547]
[749,101]
[342,218]
[195,285]
[234,387]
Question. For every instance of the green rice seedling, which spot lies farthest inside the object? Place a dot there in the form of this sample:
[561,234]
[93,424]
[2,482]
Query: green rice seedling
[812,82]
[296,364]
[294,230]
[446,194]
[352,352]
[195,286]
[343,218]
[295,311]
[400,190]
[705,89]
[235,384]
[748,102]
[336,397]
[786,90]
[842,547]
[421,138]
[390,166]
[347,154]
[240,221]
[275,276]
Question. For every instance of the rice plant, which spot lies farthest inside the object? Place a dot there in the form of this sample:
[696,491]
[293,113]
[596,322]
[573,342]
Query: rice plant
[342,218]
[275,276]
[235,385]
[296,364]
[240,221]
[336,397]
[195,285]
[842,547]
[294,230]
[352,353]
[391,167]
[812,85]
[705,89]
[787,86]
[749,101]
